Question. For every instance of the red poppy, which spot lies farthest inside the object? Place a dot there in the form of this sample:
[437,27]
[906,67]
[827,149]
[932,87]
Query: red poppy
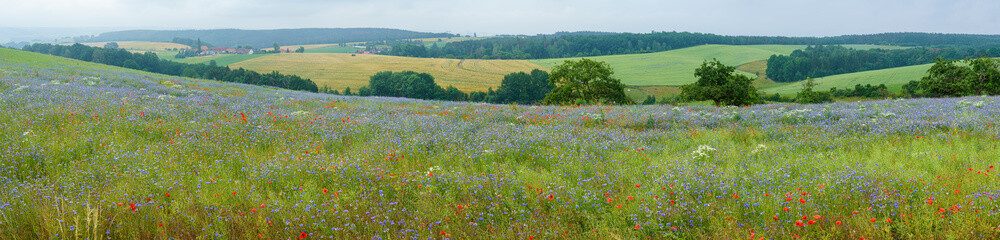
[324,191]
[838,223]
[786,209]
[552,197]
[638,185]
[619,206]
[609,200]
[637,227]
[811,222]
[873,220]
[817,216]
[799,223]
[802,200]
[302,235]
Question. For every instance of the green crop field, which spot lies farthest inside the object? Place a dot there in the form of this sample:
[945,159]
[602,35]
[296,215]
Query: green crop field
[676,67]
[341,70]
[894,78]
[95,152]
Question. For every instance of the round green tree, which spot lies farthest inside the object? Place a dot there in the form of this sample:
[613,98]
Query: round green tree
[587,82]
[722,85]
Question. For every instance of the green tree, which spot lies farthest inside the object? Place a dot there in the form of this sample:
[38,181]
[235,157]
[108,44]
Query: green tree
[111,45]
[807,95]
[277,48]
[946,79]
[722,85]
[523,88]
[650,100]
[585,81]
[300,50]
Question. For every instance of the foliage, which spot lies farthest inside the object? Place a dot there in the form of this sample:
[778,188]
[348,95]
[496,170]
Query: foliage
[584,45]
[520,88]
[410,84]
[821,61]
[585,81]
[650,100]
[195,44]
[151,63]
[722,85]
[948,78]
[807,95]
[111,45]
[864,91]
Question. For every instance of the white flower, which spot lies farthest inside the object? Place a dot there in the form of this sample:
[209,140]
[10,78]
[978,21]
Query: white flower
[703,151]
[26,133]
[759,148]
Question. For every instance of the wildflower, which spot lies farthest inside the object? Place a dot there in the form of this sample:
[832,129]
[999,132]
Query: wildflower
[552,197]
[873,220]
[302,235]
[838,223]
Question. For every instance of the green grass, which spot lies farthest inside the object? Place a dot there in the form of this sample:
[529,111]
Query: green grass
[894,78]
[207,160]
[676,67]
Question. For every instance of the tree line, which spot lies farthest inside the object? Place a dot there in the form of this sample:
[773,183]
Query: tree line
[570,45]
[820,61]
[957,78]
[515,88]
[151,63]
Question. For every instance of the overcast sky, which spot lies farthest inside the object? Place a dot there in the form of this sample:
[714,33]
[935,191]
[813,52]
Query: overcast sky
[728,17]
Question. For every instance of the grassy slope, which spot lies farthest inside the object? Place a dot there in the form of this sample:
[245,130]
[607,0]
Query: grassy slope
[892,77]
[676,67]
[339,70]
[43,60]
[195,169]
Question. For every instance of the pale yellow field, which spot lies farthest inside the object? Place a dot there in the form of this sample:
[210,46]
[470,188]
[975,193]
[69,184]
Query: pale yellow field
[307,47]
[341,70]
[141,46]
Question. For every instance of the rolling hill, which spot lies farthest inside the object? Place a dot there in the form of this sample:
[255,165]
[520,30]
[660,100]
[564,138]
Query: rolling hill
[341,70]
[676,67]
[894,78]
[265,38]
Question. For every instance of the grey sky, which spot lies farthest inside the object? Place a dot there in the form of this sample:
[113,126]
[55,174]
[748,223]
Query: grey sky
[729,17]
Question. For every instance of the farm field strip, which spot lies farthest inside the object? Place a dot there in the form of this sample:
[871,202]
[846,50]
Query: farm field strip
[339,71]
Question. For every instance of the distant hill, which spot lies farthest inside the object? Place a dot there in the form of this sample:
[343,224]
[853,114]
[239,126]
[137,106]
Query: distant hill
[588,44]
[265,38]
[894,78]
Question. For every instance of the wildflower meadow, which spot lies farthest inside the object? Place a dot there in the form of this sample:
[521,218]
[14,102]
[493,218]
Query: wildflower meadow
[95,152]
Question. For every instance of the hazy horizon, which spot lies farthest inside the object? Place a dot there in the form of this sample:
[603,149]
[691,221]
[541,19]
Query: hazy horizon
[724,17]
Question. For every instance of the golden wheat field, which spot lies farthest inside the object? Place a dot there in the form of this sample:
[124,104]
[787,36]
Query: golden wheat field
[341,70]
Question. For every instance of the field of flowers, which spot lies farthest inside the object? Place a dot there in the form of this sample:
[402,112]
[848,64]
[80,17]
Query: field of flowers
[92,152]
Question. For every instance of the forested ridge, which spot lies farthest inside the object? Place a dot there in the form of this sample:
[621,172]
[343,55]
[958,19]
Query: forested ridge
[584,45]
[265,38]
[822,61]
